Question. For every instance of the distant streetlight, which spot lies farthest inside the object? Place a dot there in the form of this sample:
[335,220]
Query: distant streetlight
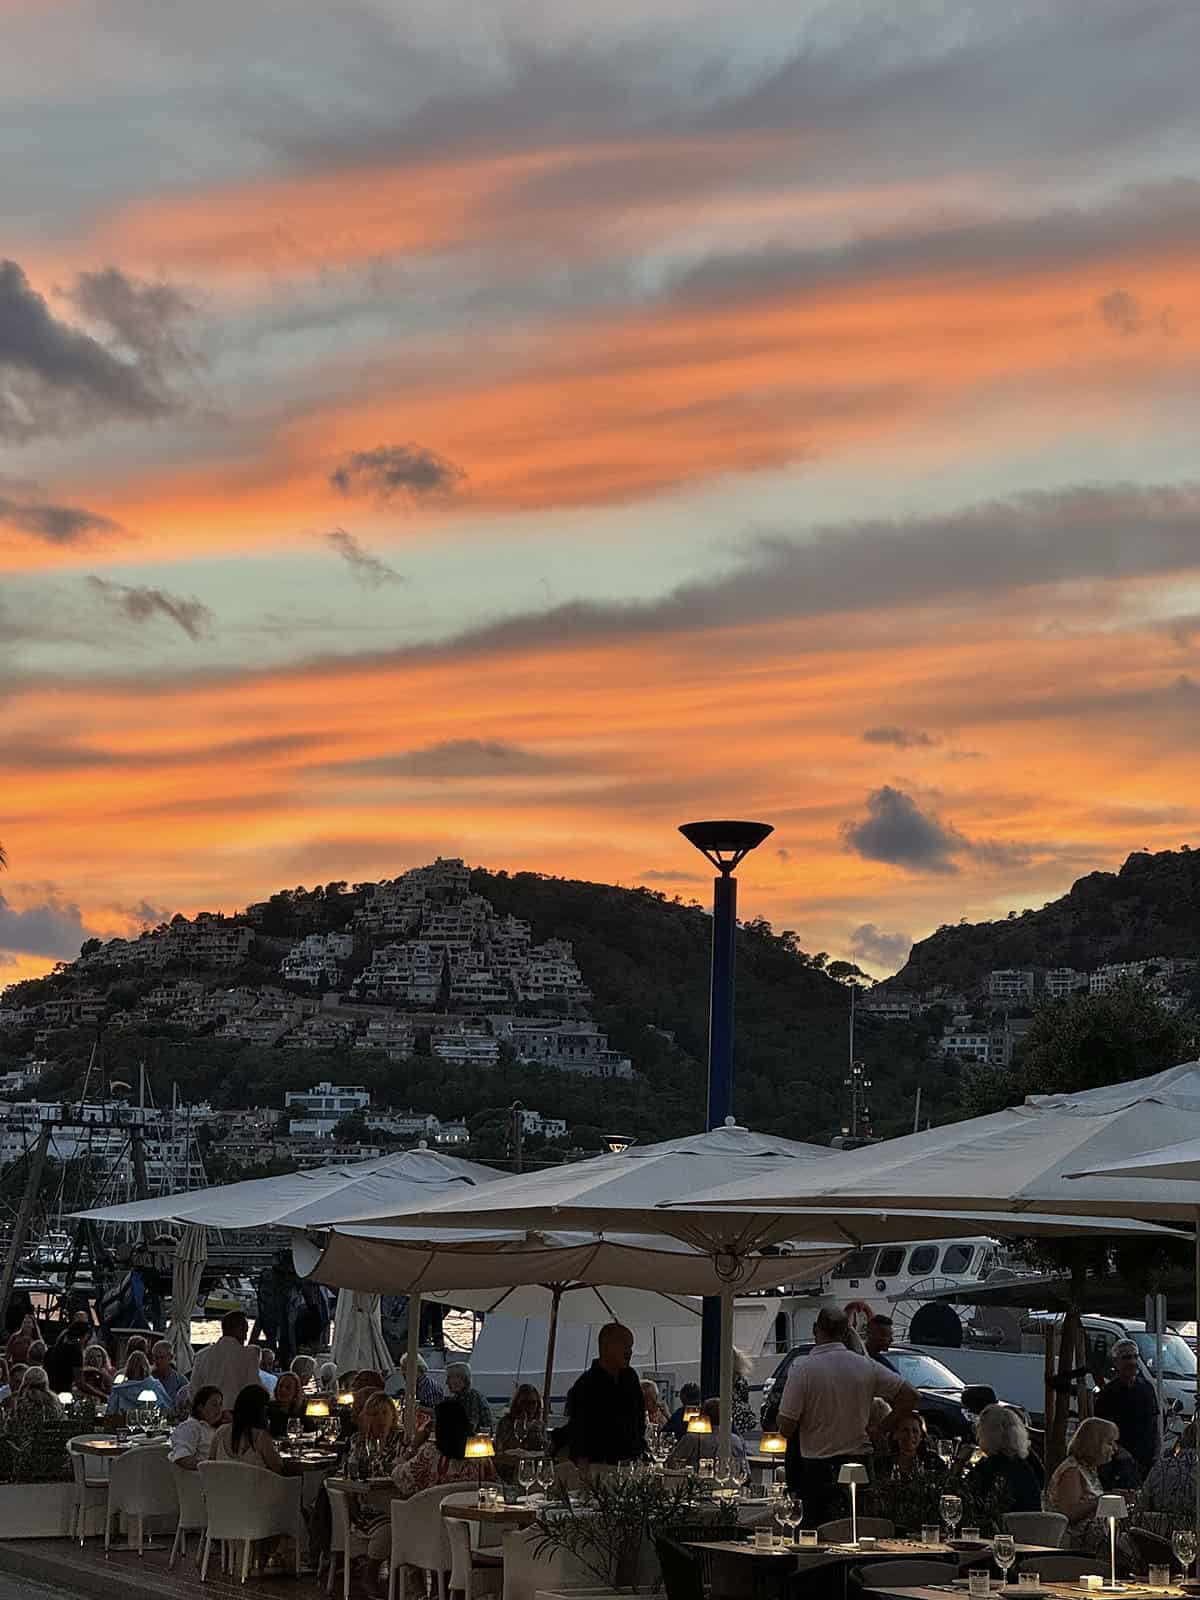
[726,845]
[617,1143]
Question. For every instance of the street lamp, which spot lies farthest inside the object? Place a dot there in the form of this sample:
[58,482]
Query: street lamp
[726,845]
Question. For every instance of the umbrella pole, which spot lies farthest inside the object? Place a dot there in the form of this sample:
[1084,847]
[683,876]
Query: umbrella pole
[551,1340]
[411,1356]
[725,1445]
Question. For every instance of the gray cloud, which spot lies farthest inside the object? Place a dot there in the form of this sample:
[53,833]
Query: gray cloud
[366,568]
[52,928]
[654,875]
[902,738]
[455,758]
[391,469]
[55,374]
[53,523]
[897,831]
[142,316]
[140,604]
[871,944]
[51,755]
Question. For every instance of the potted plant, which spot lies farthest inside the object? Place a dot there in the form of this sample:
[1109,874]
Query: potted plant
[610,1531]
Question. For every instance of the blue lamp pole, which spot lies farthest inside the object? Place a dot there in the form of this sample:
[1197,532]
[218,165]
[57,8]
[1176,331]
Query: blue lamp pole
[725,844]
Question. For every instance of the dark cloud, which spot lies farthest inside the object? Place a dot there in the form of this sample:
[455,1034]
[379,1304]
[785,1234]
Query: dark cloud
[869,943]
[142,316]
[51,755]
[145,914]
[455,758]
[897,831]
[56,375]
[55,524]
[366,568]
[53,928]
[391,469]
[653,875]
[902,738]
[141,604]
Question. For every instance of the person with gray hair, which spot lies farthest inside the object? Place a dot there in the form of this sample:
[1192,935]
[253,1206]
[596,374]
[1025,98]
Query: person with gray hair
[1004,1440]
[430,1392]
[459,1387]
[1129,1400]
[305,1368]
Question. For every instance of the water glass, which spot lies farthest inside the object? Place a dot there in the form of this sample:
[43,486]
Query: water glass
[978,1583]
[1183,1543]
[931,1533]
[1004,1552]
[1029,1580]
[951,1508]
[808,1538]
[969,1533]
[740,1473]
[1160,1577]
[763,1538]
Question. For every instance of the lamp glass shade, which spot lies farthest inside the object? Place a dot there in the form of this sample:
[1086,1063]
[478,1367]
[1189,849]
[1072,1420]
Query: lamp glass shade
[772,1444]
[479,1448]
[346,1398]
[65,1398]
[317,1408]
[147,1398]
[690,1413]
[1111,1507]
[700,1425]
[852,1472]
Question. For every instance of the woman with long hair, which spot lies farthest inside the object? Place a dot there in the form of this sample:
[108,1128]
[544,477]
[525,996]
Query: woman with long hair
[285,1405]
[247,1437]
[34,1402]
[127,1394]
[1075,1488]
[94,1380]
[520,1428]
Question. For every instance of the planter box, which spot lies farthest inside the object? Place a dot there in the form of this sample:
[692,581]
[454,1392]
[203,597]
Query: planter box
[39,1510]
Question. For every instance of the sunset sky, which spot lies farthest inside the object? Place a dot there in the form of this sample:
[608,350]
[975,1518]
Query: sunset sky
[509,430]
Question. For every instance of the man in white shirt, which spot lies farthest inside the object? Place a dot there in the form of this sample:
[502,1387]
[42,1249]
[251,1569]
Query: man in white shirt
[825,1411]
[227,1365]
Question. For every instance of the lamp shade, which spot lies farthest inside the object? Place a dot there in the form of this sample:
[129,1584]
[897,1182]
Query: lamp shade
[317,1408]
[690,1413]
[1111,1507]
[725,843]
[772,1444]
[852,1472]
[479,1448]
[346,1398]
[147,1397]
[700,1425]
[66,1398]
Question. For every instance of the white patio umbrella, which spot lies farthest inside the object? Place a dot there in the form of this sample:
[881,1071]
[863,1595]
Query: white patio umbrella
[358,1341]
[681,1188]
[583,1277]
[190,1255]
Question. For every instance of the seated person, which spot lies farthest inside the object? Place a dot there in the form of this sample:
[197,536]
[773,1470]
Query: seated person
[911,1454]
[192,1439]
[460,1387]
[248,1437]
[127,1392]
[285,1405]
[689,1399]
[441,1459]
[520,1428]
[1004,1439]
[696,1447]
[1075,1488]
[1170,1486]
[657,1415]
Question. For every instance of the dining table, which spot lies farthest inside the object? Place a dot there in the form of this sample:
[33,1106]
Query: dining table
[1130,1590]
[108,1446]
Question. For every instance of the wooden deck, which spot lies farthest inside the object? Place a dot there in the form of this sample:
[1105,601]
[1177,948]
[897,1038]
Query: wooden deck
[126,1576]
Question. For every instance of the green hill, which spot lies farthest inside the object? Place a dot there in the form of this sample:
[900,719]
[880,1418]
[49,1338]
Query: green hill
[1151,907]
[645,959]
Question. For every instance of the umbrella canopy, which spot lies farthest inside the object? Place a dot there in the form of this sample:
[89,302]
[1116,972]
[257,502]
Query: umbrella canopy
[1180,1161]
[1009,1160]
[358,1341]
[304,1199]
[190,1256]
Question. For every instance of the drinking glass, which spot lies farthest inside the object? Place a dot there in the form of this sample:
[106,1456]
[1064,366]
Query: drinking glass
[788,1521]
[778,1482]
[796,1517]
[1004,1549]
[722,1472]
[945,1449]
[295,1430]
[740,1473]
[779,1516]
[1183,1543]
[526,1474]
[978,1585]
[951,1509]
[545,1475]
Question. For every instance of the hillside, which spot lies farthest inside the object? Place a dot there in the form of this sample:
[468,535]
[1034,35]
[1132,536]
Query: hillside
[1151,907]
[643,959]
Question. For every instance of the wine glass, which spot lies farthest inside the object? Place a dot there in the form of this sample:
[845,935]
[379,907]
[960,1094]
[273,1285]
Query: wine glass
[951,1509]
[1004,1549]
[295,1430]
[721,1472]
[526,1474]
[786,1518]
[740,1473]
[781,1516]
[945,1449]
[1183,1543]
[796,1517]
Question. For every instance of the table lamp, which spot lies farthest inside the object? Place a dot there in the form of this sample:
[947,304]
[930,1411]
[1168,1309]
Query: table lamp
[66,1398]
[1112,1508]
[853,1473]
[690,1413]
[772,1444]
[346,1398]
[479,1449]
[318,1410]
[699,1424]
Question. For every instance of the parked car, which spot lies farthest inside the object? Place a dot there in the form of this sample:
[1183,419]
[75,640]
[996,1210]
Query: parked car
[944,1399]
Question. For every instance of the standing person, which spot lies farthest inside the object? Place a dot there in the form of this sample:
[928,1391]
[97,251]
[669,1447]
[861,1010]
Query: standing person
[606,1414]
[825,1413]
[877,1340]
[742,1415]
[1130,1401]
[228,1365]
[17,1348]
[162,1367]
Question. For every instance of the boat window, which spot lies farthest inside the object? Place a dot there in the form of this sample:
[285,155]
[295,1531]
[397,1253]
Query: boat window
[889,1263]
[957,1257]
[923,1258]
[857,1264]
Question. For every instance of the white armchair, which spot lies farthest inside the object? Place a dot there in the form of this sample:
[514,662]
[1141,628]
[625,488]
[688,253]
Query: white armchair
[419,1536]
[140,1486]
[193,1513]
[246,1503]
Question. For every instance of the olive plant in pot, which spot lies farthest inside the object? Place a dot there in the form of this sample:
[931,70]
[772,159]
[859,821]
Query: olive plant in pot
[613,1524]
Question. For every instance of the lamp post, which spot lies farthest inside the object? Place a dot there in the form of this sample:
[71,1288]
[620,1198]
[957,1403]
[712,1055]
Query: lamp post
[726,845]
